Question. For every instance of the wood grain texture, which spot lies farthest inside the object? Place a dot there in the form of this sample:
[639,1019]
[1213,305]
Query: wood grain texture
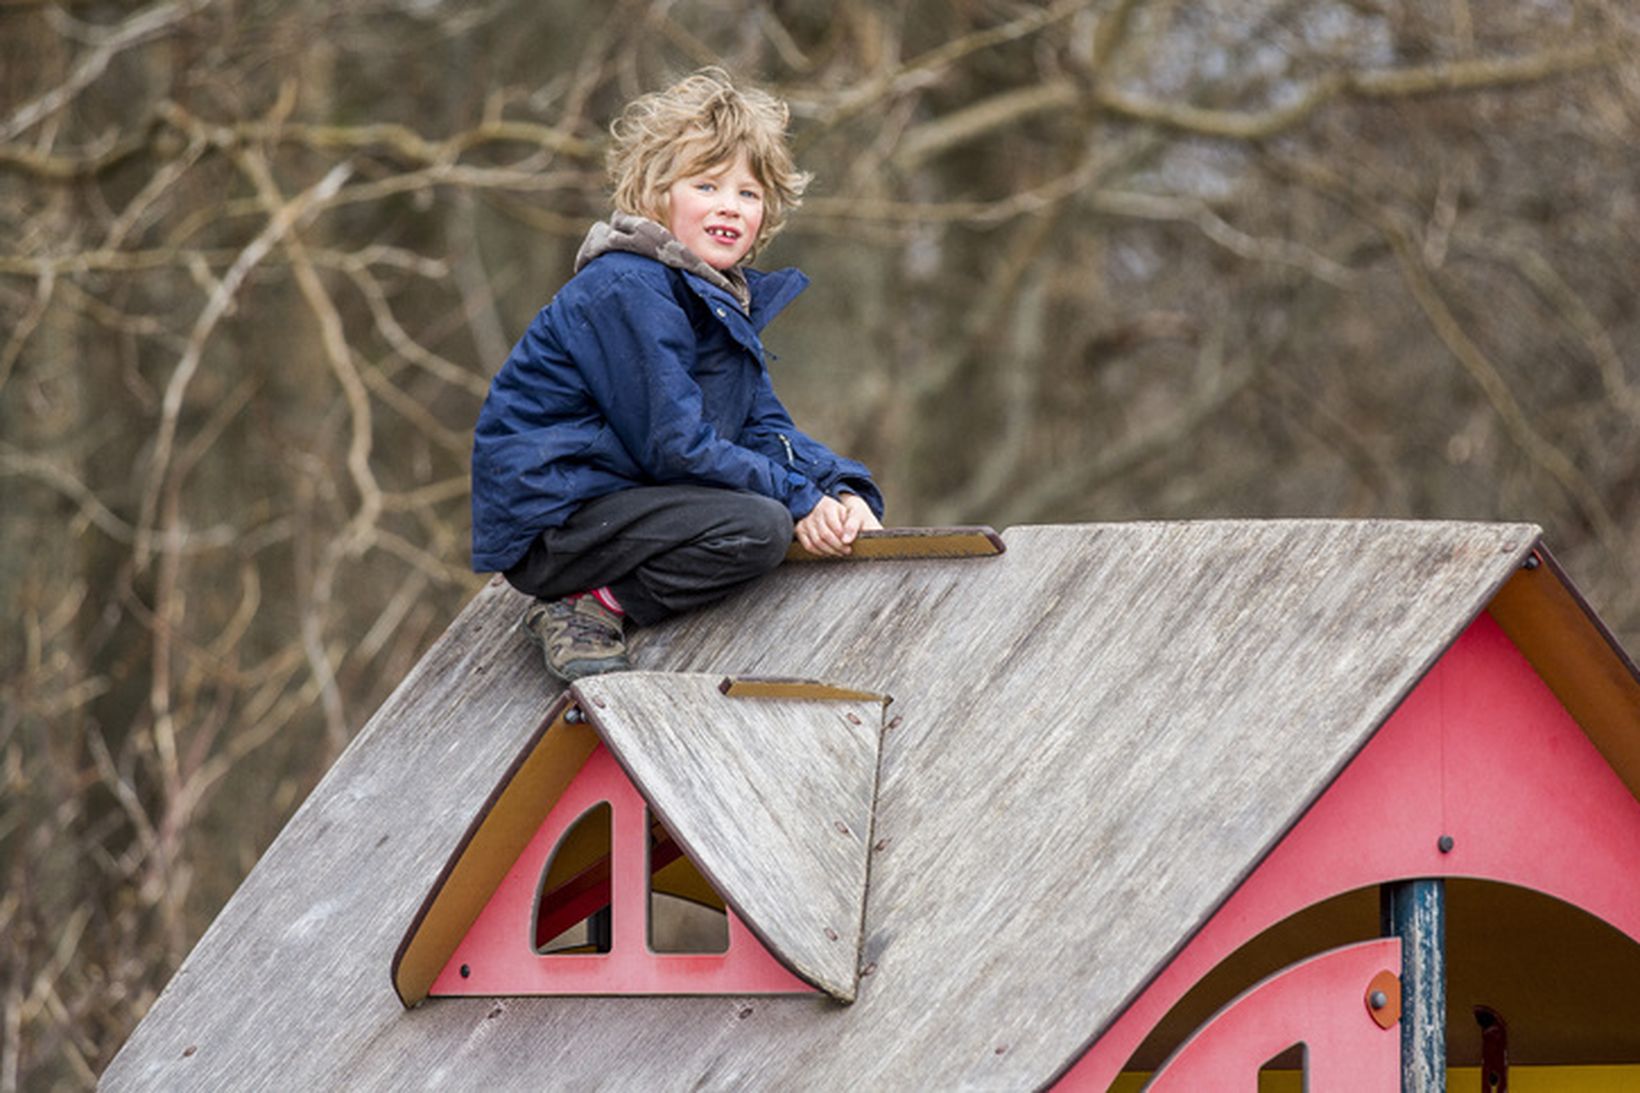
[771,799]
[1094,737]
[1577,658]
[909,543]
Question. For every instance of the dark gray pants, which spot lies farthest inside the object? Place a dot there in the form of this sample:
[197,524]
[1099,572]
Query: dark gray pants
[660,549]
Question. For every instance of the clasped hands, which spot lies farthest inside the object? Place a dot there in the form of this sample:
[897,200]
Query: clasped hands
[831,527]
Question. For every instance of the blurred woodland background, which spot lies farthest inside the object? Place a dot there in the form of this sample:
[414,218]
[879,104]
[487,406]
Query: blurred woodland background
[1091,260]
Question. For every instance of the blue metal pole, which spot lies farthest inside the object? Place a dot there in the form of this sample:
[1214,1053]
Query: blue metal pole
[1415,912]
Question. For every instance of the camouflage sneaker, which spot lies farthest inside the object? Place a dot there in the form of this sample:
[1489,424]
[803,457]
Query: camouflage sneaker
[579,637]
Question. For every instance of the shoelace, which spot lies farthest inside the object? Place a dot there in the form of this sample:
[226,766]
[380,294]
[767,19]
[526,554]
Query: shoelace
[581,626]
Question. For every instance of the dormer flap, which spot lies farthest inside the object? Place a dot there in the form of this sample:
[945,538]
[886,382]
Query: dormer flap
[772,800]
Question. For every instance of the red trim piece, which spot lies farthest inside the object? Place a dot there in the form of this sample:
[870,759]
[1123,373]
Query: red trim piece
[1480,751]
[572,901]
[588,890]
[1316,1002]
[498,953]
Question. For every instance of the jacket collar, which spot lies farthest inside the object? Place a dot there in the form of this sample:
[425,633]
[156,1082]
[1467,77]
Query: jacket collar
[770,293]
[639,235]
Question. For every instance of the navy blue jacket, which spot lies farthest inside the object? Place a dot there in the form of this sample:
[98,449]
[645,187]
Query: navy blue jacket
[640,374]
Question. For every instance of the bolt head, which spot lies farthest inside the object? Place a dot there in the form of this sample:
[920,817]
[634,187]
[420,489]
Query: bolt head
[1378,1000]
[1444,844]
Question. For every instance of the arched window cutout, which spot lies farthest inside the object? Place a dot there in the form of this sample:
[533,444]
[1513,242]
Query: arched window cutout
[686,914]
[572,901]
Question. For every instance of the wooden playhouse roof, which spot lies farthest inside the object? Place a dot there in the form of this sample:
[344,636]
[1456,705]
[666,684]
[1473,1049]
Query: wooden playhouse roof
[1097,736]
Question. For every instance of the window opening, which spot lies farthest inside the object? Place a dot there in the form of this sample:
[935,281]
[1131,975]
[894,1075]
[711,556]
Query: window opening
[686,914]
[572,902]
[1283,1072]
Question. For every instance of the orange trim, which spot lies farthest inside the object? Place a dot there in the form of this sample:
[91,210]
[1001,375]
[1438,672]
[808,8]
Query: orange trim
[1579,661]
[497,835]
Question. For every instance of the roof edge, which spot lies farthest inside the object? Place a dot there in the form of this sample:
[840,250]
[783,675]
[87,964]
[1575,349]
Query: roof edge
[1517,559]
[1576,656]
[499,832]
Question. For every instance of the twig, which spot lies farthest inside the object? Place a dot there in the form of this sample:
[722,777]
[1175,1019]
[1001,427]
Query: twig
[280,222]
[1057,492]
[387,324]
[1192,210]
[13,349]
[1010,108]
[141,27]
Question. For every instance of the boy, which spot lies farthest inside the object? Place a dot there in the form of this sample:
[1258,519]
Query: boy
[631,460]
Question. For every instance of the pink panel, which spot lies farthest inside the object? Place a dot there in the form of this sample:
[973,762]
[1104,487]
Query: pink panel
[1320,1002]
[1481,751]
[498,952]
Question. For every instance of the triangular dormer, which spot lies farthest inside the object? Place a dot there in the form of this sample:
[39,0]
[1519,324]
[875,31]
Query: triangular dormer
[753,796]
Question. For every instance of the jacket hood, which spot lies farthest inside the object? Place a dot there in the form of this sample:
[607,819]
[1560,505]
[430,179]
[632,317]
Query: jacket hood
[640,235]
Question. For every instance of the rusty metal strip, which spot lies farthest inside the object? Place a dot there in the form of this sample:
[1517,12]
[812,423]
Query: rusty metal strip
[791,687]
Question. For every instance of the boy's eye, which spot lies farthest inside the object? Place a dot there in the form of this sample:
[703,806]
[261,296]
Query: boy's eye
[751,195]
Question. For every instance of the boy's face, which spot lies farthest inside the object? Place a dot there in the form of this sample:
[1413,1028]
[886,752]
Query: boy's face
[717,211]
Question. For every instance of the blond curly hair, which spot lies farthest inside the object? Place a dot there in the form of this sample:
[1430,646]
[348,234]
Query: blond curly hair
[698,123]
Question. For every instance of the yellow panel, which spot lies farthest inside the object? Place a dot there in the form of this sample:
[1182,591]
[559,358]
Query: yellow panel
[584,844]
[1580,663]
[497,836]
[1522,1079]
[1555,1079]
[682,879]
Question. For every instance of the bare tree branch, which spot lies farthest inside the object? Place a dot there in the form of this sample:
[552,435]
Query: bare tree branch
[144,26]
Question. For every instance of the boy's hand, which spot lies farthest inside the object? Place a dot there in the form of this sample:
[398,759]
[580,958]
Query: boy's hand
[857,506]
[832,525]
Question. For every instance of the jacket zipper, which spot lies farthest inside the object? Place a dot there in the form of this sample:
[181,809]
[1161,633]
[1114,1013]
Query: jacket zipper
[791,456]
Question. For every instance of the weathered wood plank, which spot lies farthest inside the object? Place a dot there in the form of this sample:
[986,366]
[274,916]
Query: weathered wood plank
[1099,734]
[771,799]
[909,543]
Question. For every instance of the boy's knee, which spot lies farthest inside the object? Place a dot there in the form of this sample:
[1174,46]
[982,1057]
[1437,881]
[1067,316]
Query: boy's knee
[750,535]
[766,532]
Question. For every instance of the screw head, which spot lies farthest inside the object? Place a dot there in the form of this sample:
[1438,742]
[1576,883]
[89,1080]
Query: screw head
[1444,844]
[1378,1000]
[466,970]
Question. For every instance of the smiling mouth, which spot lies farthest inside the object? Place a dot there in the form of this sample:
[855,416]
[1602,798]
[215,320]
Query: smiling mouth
[727,235]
